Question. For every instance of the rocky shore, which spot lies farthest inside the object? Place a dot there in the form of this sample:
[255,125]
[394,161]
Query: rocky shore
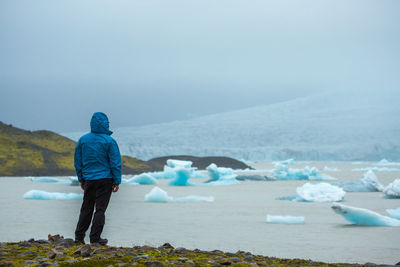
[59,251]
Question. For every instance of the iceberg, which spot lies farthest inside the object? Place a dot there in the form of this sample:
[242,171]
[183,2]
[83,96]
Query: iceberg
[170,170]
[392,190]
[159,195]
[174,163]
[220,175]
[368,183]
[394,213]
[254,177]
[361,216]
[285,219]
[376,169]
[144,179]
[51,180]
[43,195]
[322,192]
[385,162]
[181,178]
[282,172]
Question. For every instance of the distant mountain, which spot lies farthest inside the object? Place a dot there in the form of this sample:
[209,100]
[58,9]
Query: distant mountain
[323,127]
[26,153]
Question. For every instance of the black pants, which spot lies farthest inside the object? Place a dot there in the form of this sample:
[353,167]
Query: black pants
[97,195]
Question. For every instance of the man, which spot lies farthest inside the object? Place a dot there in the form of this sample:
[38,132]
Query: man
[98,167]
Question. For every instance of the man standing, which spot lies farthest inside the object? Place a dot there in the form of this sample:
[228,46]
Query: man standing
[98,167]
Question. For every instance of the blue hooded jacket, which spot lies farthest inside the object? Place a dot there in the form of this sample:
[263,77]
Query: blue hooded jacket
[97,154]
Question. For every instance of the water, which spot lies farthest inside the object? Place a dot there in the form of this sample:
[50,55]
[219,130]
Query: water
[236,220]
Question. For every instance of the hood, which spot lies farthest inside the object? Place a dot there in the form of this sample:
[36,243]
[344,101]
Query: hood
[99,123]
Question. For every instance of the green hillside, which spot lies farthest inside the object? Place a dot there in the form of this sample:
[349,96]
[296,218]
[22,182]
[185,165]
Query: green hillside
[26,153]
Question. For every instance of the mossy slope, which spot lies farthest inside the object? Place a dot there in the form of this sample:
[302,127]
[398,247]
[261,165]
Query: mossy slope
[26,153]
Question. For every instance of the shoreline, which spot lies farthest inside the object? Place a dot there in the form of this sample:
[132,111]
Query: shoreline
[59,251]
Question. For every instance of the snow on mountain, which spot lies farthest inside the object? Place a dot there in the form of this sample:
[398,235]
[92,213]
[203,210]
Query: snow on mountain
[321,127]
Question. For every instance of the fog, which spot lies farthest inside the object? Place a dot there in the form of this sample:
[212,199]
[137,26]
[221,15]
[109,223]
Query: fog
[150,61]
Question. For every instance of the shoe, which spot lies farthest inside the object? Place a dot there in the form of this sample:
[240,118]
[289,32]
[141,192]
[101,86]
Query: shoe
[101,241]
[79,242]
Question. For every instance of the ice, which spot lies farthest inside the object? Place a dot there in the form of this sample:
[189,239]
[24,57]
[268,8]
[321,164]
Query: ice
[385,162]
[394,213]
[144,179]
[321,192]
[159,195]
[330,169]
[253,177]
[285,219]
[361,216]
[51,180]
[286,162]
[182,176]
[282,172]
[43,195]
[392,190]
[376,169]
[174,163]
[221,176]
[368,183]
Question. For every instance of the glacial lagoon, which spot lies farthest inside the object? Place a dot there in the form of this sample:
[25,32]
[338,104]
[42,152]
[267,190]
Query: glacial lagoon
[234,220]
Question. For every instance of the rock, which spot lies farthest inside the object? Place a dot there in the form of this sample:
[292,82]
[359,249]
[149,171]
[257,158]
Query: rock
[25,244]
[30,262]
[253,264]
[154,264]
[6,264]
[67,242]
[31,240]
[29,252]
[54,238]
[234,259]
[213,263]
[48,264]
[398,263]
[229,254]
[42,241]
[180,250]
[53,254]
[71,261]
[249,258]
[140,257]
[165,246]
[216,252]
[225,263]
[83,251]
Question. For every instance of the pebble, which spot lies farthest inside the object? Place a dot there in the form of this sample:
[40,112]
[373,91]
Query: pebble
[154,264]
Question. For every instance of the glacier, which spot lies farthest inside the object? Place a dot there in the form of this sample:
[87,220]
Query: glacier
[361,216]
[392,190]
[282,172]
[43,195]
[329,126]
[394,213]
[368,183]
[321,192]
[143,179]
[285,219]
[159,195]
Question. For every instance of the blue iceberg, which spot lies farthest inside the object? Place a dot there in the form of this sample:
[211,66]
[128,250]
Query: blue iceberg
[394,213]
[285,219]
[51,180]
[392,190]
[159,195]
[368,183]
[361,216]
[282,172]
[144,179]
[322,192]
[43,195]
[170,170]
[182,176]
[174,163]
[220,176]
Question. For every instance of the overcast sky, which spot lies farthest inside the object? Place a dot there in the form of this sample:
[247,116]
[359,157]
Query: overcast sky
[149,61]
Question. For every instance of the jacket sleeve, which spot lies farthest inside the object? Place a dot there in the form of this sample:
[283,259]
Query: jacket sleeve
[115,162]
[78,161]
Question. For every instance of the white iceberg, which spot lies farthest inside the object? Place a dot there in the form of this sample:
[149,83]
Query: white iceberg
[220,176]
[43,195]
[174,163]
[368,183]
[361,216]
[394,213]
[144,179]
[51,180]
[170,170]
[285,219]
[159,195]
[282,172]
[322,192]
[392,190]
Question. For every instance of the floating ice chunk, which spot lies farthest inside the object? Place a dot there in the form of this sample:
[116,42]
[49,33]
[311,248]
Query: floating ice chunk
[282,172]
[43,195]
[254,177]
[330,169]
[159,195]
[143,178]
[174,163]
[285,219]
[392,190]
[361,216]
[394,213]
[385,162]
[376,169]
[322,192]
[51,180]
[368,183]
[181,178]
[74,180]
[221,176]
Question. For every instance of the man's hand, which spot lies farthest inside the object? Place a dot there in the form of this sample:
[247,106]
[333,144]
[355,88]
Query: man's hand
[83,186]
[115,188]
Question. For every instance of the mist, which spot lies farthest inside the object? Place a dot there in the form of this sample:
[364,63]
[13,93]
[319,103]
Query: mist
[145,62]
